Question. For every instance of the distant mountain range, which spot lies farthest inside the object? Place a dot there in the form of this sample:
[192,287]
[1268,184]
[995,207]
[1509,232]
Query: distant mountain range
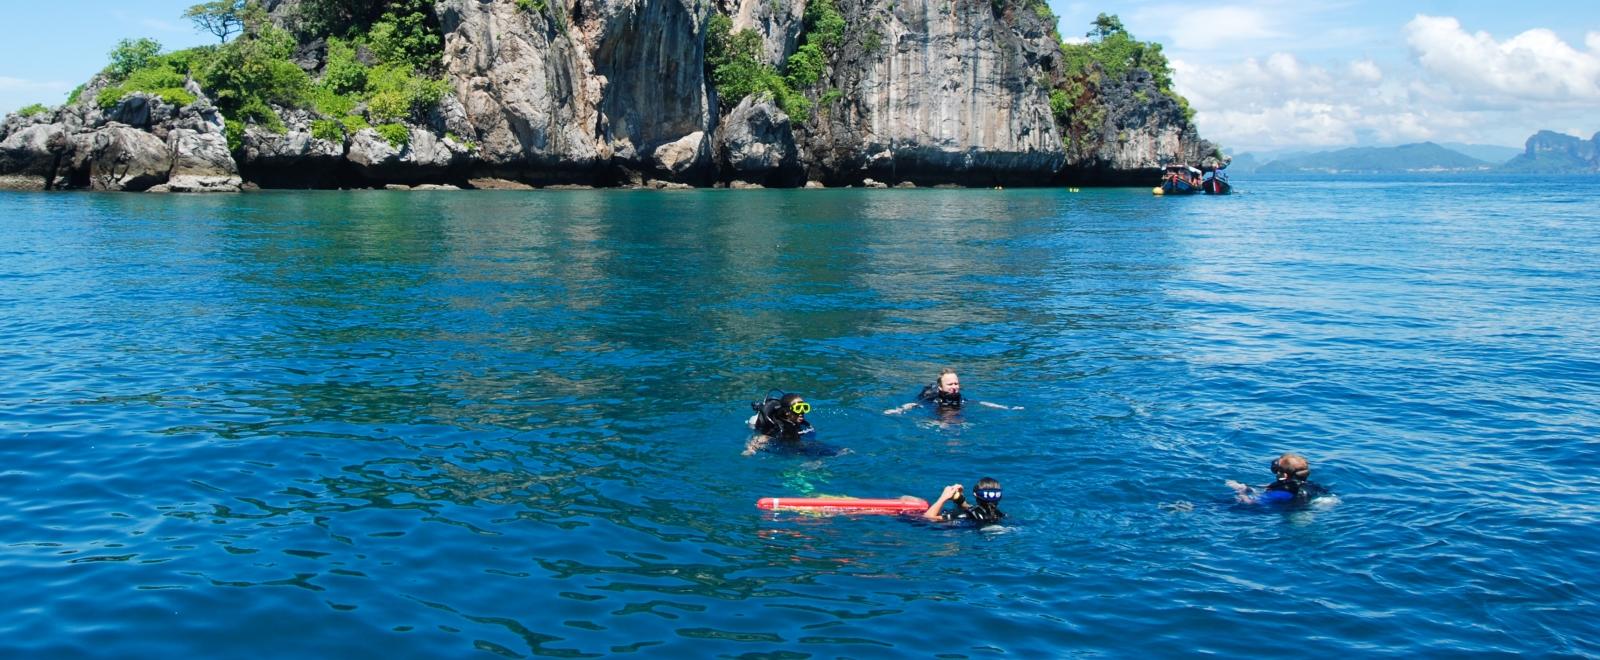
[1546,152]
[1490,153]
[1423,157]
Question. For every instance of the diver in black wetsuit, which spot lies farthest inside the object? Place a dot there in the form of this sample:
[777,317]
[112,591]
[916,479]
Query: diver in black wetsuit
[1292,486]
[782,417]
[986,512]
[944,394]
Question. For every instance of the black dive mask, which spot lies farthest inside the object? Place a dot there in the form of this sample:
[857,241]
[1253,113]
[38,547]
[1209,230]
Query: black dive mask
[987,495]
[1301,474]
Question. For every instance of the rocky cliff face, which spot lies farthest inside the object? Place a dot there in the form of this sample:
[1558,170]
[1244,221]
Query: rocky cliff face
[616,92]
[1142,131]
[938,91]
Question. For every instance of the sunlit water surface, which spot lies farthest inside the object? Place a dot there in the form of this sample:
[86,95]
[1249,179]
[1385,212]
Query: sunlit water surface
[446,424]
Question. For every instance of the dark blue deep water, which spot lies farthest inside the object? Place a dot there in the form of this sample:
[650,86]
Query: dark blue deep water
[379,424]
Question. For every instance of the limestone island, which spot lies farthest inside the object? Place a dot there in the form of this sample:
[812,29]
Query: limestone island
[626,93]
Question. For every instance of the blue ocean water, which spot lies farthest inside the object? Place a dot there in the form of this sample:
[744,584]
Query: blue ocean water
[450,424]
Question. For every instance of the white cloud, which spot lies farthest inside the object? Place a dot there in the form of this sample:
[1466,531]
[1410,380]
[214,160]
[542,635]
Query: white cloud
[1210,28]
[1286,102]
[1533,66]
[1456,87]
[1366,71]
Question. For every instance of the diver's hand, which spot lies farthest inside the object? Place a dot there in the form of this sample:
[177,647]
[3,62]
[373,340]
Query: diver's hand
[899,409]
[754,445]
[934,510]
[1241,492]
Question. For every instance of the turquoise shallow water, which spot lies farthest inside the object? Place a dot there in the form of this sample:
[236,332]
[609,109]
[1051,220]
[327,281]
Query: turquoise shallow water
[450,424]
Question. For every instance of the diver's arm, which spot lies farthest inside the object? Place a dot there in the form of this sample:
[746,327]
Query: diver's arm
[1244,494]
[996,405]
[755,444]
[936,511]
[900,409]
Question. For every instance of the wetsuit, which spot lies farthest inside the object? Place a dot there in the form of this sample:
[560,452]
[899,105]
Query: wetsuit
[975,515]
[931,394]
[1291,491]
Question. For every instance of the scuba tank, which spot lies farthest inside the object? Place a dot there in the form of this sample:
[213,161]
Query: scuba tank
[768,420]
[771,421]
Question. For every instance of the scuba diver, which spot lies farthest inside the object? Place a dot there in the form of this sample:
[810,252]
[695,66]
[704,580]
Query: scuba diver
[782,417]
[986,512]
[944,394]
[1292,485]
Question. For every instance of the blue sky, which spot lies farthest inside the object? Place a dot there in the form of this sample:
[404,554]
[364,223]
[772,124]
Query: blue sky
[1261,74]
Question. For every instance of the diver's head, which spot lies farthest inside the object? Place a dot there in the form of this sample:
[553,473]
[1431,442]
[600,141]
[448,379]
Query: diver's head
[793,408]
[1291,467]
[949,384]
[987,492]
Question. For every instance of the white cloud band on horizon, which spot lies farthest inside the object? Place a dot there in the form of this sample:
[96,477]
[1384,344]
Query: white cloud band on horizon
[1457,87]
[1535,65]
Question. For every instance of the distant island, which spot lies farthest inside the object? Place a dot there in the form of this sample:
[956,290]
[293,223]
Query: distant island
[1547,152]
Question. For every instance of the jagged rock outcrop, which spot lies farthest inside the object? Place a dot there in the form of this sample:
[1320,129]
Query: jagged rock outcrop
[32,156]
[426,158]
[1142,132]
[616,92]
[121,158]
[201,163]
[685,157]
[293,158]
[527,88]
[580,90]
[755,144]
[167,148]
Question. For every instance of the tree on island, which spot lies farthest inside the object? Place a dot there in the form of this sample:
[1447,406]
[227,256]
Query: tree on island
[223,18]
[1106,25]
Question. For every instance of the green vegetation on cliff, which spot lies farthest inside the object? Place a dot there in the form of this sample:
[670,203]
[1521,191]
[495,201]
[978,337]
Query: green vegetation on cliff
[738,69]
[1109,57]
[247,77]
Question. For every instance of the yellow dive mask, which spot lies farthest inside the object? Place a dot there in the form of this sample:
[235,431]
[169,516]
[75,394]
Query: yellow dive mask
[800,408]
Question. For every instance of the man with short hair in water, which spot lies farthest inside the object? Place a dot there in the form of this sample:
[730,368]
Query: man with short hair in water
[1292,486]
[782,417]
[986,512]
[944,393]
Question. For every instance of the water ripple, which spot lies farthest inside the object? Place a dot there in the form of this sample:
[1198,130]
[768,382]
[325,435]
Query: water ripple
[510,424]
